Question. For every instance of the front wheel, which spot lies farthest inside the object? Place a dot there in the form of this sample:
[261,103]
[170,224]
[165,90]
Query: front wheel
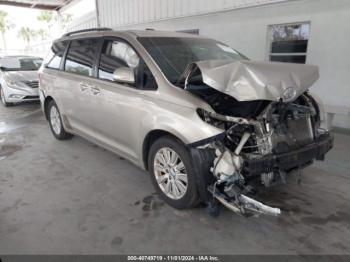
[55,121]
[3,99]
[171,169]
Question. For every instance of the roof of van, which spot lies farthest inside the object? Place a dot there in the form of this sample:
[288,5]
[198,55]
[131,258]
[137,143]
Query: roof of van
[132,33]
[156,33]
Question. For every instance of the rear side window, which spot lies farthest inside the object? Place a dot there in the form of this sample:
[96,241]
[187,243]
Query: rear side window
[80,57]
[56,54]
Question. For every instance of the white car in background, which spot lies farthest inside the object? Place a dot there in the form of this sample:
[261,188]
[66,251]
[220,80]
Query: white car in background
[19,79]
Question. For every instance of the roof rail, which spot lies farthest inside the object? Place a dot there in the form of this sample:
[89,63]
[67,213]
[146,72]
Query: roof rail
[88,30]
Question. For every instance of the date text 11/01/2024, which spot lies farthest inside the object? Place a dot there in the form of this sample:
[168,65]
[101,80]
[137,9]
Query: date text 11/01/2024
[173,258]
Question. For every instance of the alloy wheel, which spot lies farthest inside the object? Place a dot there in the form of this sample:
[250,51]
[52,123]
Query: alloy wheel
[2,96]
[55,120]
[170,173]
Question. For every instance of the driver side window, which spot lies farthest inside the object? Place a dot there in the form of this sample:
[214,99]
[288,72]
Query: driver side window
[116,54]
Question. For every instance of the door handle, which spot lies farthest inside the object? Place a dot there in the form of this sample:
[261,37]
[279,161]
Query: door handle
[95,90]
[84,86]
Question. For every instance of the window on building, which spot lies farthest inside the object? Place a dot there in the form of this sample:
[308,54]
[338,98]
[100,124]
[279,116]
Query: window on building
[81,55]
[55,56]
[288,42]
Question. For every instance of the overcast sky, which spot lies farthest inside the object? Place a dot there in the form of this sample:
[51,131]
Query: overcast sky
[27,17]
[20,17]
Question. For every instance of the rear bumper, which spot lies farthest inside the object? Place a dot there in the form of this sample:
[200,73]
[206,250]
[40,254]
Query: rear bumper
[291,160]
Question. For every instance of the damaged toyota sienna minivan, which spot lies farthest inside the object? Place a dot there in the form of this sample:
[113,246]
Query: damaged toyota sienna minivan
[205,121]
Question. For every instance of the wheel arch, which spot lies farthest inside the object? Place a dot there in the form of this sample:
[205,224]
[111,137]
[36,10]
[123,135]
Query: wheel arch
[202,160]
[48,99]
[150,138]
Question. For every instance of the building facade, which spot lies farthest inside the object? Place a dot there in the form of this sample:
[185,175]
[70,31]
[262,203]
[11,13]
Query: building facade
[300,31]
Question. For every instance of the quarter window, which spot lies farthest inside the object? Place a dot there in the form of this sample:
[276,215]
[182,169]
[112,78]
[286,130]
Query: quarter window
[80,57]
[56,54]
[288,42]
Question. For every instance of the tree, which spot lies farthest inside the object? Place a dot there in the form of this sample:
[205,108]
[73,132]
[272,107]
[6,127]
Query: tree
[4,26]
[288,32]
[42,33]
[50,18]
[46,17]
[65,19]
[27,35]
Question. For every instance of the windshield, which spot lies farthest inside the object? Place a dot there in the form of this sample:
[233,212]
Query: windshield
[173,54]
[20,63]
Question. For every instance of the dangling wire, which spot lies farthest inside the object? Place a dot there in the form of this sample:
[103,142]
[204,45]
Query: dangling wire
[214,189]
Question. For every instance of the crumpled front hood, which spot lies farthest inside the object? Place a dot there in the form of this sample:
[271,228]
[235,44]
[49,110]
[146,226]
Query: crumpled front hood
[22,76]
[247,80]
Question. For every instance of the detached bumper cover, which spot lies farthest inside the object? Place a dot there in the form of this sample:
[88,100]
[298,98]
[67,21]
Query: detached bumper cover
[291,160]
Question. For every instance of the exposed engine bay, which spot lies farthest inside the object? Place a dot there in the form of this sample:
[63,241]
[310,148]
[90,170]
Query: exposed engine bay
[263,139]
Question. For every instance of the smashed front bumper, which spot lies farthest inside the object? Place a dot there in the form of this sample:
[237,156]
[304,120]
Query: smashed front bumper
[236,201]
[291,160]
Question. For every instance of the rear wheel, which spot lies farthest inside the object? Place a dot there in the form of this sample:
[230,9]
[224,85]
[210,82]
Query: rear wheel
[55,121]
[172,174]
[3,99]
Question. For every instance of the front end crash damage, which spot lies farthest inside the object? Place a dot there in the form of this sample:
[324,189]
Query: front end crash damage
[266,135]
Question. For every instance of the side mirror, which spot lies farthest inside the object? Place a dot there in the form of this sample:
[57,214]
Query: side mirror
[124,75]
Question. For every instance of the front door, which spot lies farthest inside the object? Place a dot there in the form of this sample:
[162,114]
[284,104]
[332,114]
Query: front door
[119,107]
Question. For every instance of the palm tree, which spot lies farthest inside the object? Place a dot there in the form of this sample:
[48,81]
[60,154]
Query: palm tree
[50,18]
[4,26]
[46,17]
[42,33]
[65,20]
[27,35]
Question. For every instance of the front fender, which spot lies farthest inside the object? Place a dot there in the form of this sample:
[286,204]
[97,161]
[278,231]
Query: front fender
[182,122]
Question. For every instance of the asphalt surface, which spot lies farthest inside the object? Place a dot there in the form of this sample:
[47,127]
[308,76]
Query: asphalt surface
[73,197]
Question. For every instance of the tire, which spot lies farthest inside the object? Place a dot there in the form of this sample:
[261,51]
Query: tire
[171,173]
[55,122]
[3,100]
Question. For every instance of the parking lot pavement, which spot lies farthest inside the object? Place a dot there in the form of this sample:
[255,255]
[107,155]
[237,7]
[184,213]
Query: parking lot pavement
[13,112]
[73,197]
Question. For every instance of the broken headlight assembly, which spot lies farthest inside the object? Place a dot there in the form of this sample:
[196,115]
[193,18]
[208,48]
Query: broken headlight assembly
[217,120]
[283,138]
[206,117]
[269,131]
[228,164]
